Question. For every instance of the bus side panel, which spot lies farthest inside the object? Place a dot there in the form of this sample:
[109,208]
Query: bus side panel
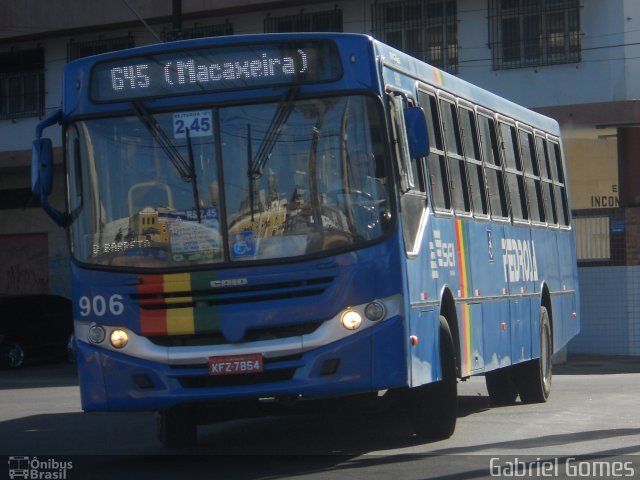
[497,337]
[520,267]
[472,267]
[545,244]
[422,287]
[425,362]
[489,283]
[568,277]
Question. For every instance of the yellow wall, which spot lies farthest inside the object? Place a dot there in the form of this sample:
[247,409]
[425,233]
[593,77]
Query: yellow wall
[592,164]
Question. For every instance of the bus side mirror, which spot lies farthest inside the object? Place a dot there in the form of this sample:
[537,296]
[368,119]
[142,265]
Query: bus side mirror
[416,127]
[41,167]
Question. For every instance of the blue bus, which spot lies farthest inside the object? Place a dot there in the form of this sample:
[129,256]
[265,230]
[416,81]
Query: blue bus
[271,220]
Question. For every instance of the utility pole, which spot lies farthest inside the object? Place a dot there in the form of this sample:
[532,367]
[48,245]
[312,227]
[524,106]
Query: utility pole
[177,19]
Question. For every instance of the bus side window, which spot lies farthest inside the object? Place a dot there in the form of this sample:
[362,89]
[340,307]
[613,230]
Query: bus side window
[436,167]
[547,182]
[474,161]
[559,190]
[531,177]
[455,160]
[513,170]
[492,167]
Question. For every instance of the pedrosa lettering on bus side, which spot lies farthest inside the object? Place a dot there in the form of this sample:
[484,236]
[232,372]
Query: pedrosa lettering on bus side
[519,260]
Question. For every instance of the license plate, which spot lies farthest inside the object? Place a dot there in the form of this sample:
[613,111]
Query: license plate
[236,364]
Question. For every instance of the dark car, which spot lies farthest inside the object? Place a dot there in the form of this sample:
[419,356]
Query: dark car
[33,326]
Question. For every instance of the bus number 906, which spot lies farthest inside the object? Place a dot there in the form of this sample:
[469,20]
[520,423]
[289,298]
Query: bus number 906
[100,306]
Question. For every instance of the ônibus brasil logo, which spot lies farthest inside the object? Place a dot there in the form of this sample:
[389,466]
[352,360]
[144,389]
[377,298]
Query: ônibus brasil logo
[38,469]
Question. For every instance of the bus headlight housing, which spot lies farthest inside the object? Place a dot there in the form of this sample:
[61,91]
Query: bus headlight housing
[375,311]
[119,338]
[96,334]
[351,319]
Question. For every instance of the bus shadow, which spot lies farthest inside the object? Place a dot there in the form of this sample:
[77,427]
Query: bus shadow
[342,432]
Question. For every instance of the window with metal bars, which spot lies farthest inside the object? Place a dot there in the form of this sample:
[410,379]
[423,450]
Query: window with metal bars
[197,31]
[22,83]
[326,21]
[425,29]
[86,48]
[525,33]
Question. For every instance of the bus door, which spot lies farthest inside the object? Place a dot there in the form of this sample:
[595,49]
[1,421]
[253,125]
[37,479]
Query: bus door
[422,291]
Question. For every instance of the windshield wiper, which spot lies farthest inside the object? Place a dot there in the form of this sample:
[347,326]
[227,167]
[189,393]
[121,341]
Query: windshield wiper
[280,117]
[175,157]
[186,169]
[256,166]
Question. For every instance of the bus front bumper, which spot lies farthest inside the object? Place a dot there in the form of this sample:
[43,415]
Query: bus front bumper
[367,361]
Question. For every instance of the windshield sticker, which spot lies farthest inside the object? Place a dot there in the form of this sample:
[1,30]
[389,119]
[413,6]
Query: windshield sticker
[192,240]
[244,244]
[197,123]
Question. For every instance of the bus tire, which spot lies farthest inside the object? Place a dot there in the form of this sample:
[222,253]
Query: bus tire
[176,427]
[534,377]
[435,405]
[12,354]
[501,386]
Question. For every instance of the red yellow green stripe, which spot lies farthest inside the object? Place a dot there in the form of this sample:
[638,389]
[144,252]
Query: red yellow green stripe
[169,317]
[464,274]
[437,76]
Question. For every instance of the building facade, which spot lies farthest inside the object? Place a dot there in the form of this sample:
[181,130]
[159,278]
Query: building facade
[575,60]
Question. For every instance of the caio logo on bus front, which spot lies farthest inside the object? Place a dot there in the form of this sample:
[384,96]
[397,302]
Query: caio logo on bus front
[519,260]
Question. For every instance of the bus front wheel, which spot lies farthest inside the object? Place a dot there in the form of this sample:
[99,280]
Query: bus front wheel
[177,427]
[435,405]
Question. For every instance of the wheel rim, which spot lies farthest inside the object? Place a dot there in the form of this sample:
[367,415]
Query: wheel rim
[545,360]
[15,355]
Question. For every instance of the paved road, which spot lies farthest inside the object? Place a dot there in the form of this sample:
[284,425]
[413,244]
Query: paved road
[593,413]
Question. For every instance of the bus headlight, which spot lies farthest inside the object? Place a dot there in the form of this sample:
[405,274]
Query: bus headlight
[96,334]
[119,338]
[375,311]
[351,319]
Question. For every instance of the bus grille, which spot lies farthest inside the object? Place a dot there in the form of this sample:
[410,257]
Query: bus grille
[254,335]
[153,298]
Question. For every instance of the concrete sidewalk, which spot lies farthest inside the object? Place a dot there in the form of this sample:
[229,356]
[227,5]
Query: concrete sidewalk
[582,364]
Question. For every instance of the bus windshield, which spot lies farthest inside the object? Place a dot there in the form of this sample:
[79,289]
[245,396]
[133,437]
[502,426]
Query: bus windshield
[238,183]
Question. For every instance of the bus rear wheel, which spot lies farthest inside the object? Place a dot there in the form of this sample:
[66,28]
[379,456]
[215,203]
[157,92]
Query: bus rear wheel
[177,427]
[533,378]
[435,406]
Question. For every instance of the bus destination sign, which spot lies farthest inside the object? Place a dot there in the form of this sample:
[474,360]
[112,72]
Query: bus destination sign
[215,69]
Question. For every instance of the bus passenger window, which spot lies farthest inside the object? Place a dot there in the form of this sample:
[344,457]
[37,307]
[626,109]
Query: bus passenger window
[436,168]
[493,167]
[547,182]
[474,161]
[513,169]
[559,190]
[455,160]
[531,177]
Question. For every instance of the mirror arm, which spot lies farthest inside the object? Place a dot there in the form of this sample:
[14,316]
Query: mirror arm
[61,219]
[55,117]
